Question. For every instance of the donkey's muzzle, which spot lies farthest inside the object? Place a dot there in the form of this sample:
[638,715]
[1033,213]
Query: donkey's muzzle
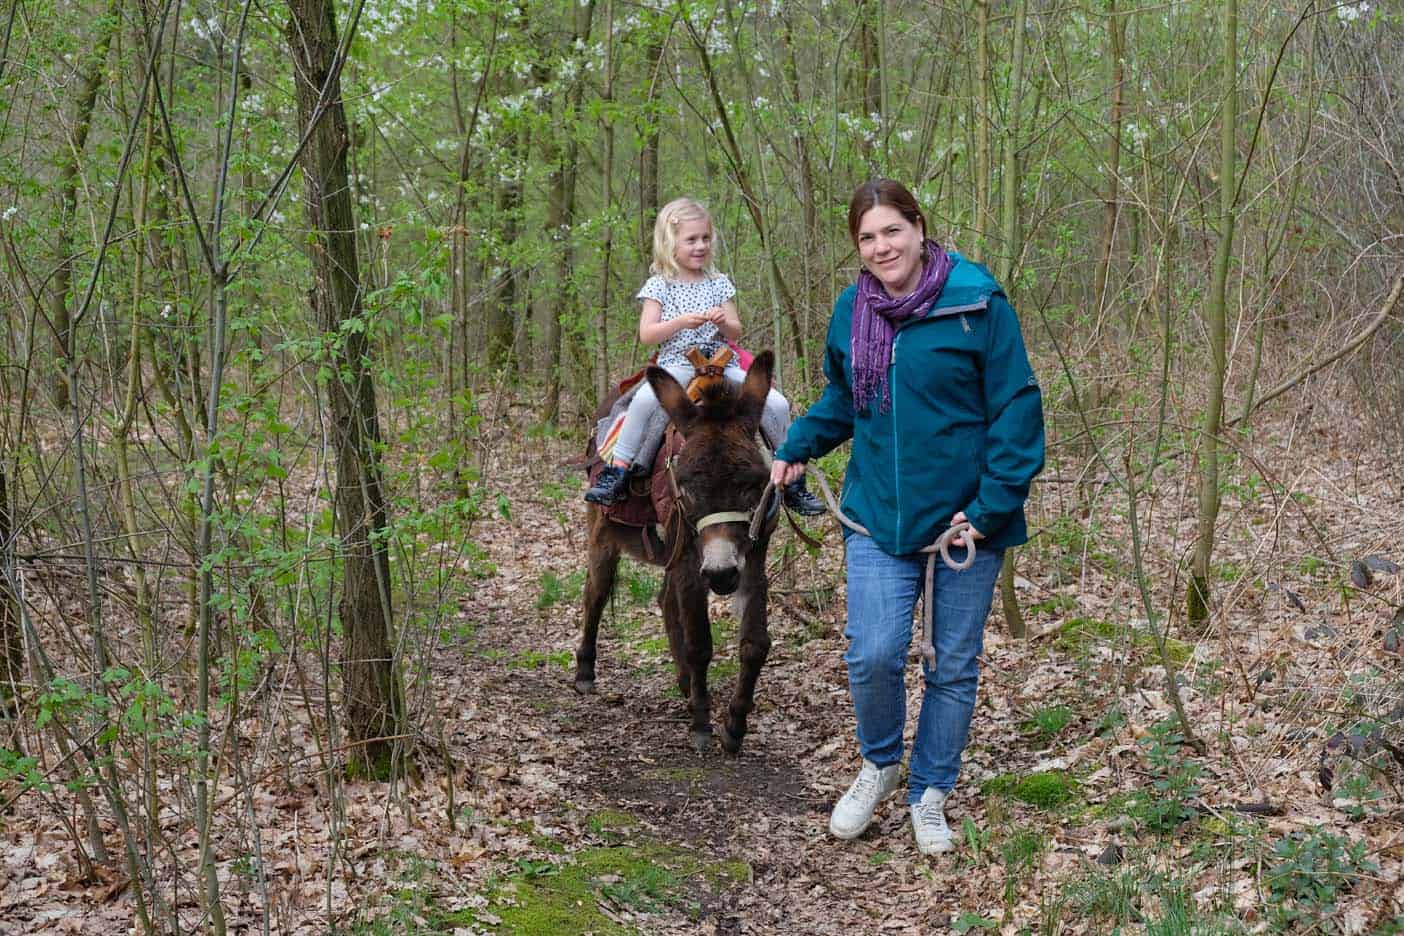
[722,581]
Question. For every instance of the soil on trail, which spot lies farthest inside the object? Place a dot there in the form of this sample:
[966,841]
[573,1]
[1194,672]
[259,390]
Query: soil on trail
[1080,807]
[1054,805]
[561,757]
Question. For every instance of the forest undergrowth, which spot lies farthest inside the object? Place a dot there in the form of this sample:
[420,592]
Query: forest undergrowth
[1085,806]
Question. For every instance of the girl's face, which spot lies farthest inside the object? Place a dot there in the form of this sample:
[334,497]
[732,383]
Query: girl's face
[892,249]
[693,250]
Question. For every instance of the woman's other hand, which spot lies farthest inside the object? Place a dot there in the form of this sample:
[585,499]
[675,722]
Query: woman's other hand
[782,472]
[969,536]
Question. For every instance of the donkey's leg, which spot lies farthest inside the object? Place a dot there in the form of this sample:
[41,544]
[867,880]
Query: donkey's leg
[673,627]
[697,647]
[754,648]
[602,562]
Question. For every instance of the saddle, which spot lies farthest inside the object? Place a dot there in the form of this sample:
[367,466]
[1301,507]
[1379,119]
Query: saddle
[651,498]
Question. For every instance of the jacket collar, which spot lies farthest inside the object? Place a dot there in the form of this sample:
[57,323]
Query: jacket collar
[969,286]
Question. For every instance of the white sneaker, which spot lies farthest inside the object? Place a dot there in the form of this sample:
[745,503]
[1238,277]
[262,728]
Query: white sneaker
[854,810]
[933,836]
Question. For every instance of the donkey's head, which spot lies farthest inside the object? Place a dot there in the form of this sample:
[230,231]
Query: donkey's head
[720,472]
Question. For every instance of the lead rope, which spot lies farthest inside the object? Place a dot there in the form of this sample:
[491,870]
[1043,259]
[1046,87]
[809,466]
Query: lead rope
[940,547]
[763,511]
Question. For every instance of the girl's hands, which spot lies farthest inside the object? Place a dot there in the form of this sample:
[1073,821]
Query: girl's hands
[782,473]
[715,315]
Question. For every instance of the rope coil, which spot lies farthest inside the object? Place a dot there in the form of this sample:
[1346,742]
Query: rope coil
[940,547]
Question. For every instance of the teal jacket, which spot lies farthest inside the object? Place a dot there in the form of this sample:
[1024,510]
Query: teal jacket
[964,430]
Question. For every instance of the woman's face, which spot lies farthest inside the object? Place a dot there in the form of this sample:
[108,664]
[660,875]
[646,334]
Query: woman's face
[694,246]
[891,248]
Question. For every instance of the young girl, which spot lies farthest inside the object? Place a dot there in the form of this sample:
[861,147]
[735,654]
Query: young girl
[687,304]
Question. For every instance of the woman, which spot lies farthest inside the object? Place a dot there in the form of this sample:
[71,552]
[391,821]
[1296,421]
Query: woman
[927,374]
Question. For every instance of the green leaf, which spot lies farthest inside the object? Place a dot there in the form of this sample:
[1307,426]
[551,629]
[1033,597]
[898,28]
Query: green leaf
[968,921]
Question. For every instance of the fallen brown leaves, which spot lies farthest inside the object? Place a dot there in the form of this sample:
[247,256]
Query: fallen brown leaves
[1291,655]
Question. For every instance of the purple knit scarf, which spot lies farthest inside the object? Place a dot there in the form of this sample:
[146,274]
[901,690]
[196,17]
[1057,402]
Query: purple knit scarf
[876,316]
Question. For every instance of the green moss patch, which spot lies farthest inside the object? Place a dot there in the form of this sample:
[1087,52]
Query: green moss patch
[1047,789]
[565,899]
[654,646]
[1078,636]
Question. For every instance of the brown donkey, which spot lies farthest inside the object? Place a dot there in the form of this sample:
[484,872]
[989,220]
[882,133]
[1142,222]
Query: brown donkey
[720,475]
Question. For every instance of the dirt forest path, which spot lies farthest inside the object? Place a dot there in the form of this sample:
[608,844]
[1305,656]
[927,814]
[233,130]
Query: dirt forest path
[1082,809]
[562,761]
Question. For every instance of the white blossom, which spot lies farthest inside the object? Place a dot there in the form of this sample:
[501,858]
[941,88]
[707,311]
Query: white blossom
[1351,13]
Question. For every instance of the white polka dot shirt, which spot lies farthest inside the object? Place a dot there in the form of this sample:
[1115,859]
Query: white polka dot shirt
[679,299]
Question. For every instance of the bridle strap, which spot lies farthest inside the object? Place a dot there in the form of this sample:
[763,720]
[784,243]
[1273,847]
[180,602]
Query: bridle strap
[724,516]
[765,509]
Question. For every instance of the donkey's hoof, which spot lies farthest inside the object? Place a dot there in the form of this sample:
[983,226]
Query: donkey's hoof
[585,686]
[729,742]
[701,741]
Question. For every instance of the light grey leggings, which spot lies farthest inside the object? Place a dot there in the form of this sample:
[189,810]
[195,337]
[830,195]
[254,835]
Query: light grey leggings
[646,420]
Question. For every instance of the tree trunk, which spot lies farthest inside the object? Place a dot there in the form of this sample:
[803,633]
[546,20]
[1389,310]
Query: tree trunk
[1116,36]
[374,697]
[69,156]
[869,75]
[808,191]
[607,96]
[648,156]
[560,219]
[11,641]
[1197,594]
[982,126]
[1011,243]
[503,309]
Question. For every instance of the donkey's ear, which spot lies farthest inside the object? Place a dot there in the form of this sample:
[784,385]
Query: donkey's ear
[756,387]
[673,398]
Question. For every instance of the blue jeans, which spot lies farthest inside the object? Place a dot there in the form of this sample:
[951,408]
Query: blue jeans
[882,594]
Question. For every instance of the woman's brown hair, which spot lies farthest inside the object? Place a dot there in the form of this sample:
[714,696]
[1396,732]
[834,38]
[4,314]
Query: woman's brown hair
[870,195]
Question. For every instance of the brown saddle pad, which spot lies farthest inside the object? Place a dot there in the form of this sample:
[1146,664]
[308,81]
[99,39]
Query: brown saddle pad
[650,499]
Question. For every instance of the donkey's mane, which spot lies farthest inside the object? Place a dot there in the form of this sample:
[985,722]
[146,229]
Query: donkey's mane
[718,402]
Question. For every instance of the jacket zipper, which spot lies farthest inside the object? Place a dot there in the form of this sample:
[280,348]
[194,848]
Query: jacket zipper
[892,388]
[896,437]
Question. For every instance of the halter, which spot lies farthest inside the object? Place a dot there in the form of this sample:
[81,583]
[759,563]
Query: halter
[756,520]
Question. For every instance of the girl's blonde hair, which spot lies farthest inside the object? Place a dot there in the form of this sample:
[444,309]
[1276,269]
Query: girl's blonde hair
[665,236]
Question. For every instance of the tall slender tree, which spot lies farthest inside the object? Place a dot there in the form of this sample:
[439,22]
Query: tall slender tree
[70,155]
[1116,40]
[1216,320]
[1011,243]
[560,215]
[11,642]
[374,696]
